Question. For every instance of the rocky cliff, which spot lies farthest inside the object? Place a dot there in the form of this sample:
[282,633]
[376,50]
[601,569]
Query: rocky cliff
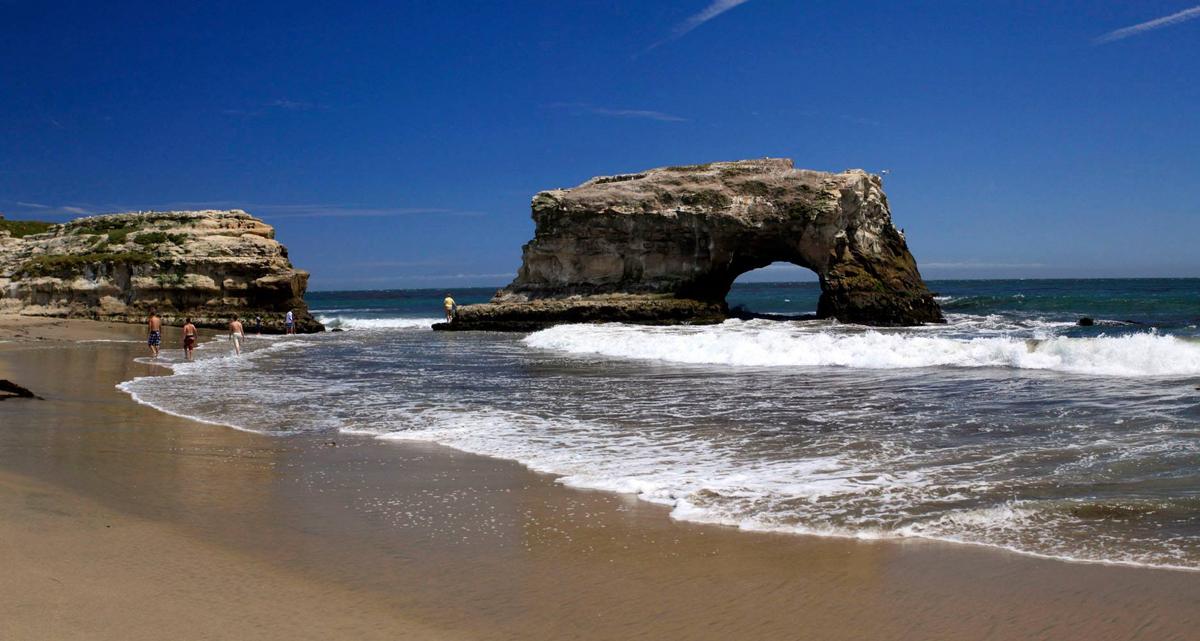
[204,264]
[665,245]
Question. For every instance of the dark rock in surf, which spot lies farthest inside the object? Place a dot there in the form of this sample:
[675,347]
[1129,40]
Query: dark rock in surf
[1087,322]
[9,389]
[664,246]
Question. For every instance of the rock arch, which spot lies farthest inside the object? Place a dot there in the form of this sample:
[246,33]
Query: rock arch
[665,245]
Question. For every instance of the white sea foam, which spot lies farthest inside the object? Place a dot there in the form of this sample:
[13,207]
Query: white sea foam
[867,487]
[767,344]
[680,472]
[217,365]
[707,482]
[355,323]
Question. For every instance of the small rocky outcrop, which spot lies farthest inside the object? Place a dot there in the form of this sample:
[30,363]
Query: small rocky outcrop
[664,246]
[9,389]
[207,265]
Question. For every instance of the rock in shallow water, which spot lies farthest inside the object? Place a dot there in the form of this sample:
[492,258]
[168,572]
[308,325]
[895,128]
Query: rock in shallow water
[664,246]
[9,389]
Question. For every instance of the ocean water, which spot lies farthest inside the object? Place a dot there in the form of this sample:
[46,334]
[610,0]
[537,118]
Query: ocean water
[1010,426]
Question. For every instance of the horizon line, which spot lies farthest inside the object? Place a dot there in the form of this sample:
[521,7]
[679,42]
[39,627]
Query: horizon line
[776,282]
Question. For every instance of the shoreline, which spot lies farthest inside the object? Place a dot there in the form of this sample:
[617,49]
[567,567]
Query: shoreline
[503,552]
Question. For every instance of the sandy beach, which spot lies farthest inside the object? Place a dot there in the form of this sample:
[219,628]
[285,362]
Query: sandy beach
[121,522]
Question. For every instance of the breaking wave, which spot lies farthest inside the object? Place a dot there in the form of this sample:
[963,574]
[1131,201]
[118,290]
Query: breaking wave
[772,344]
[353,323]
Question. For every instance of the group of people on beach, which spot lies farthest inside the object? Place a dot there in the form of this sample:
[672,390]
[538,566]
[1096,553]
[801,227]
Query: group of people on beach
[154,339]
[237,332]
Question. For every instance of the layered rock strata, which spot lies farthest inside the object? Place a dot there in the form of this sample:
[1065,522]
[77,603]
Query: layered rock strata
[207,265]
[664,246]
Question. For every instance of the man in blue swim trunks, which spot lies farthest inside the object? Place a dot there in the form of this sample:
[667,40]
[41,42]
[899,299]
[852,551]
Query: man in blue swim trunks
[155,337]
[289,322]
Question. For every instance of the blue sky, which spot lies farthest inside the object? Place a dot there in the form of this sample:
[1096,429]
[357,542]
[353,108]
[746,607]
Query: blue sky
[398,144]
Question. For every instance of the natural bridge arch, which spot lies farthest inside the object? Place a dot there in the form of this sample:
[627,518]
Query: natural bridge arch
[779,291]
[665,245]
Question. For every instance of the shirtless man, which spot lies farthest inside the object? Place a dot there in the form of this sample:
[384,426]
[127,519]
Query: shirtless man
[189,338]
[236,334]
[154,339]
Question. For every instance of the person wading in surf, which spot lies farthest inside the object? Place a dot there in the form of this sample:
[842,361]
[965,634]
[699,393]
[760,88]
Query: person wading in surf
[236,334]
[189,338]
[154,338]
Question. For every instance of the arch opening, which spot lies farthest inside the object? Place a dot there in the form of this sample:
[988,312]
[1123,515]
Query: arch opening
[780,291]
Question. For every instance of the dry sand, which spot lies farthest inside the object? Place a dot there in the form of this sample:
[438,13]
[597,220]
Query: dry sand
[117,521]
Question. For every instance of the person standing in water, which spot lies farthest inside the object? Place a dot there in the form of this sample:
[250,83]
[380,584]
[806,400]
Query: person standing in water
[189,338]
[258,324]
[236,334]
[154,338]
[451,308]
[289,322]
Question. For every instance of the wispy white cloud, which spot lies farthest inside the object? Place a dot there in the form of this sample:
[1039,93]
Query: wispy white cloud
[51,213]
[458,276]
[319,210]
[637,113]
[282,104]
[781,267]
[293,105]
[857,120]
[395,264]
[974,265]
[261,210]
[343,211]
[714,9]
[582,108]
[397,279]
[1149,25]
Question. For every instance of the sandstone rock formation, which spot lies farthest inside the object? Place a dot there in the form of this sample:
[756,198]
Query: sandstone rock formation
[203,264]
[665,245]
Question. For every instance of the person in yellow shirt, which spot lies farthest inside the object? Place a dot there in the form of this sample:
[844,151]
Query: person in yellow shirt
[451,308]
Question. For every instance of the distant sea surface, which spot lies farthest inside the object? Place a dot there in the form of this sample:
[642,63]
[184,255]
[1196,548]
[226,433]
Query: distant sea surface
[1011,426]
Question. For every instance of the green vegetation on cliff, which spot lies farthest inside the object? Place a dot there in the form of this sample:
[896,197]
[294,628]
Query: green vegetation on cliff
[22,228]
[57,264]
[147,239]
[206,264]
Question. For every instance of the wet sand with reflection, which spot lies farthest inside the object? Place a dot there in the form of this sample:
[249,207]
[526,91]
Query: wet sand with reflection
[417,541]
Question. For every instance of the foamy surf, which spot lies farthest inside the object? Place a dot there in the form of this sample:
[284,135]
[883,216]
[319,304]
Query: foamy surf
[963,432]
[702,481]
[771,344]
[214,362]
[357,323]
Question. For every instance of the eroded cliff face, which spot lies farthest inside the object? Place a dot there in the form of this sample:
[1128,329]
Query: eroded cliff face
[665,245]
[204,264]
